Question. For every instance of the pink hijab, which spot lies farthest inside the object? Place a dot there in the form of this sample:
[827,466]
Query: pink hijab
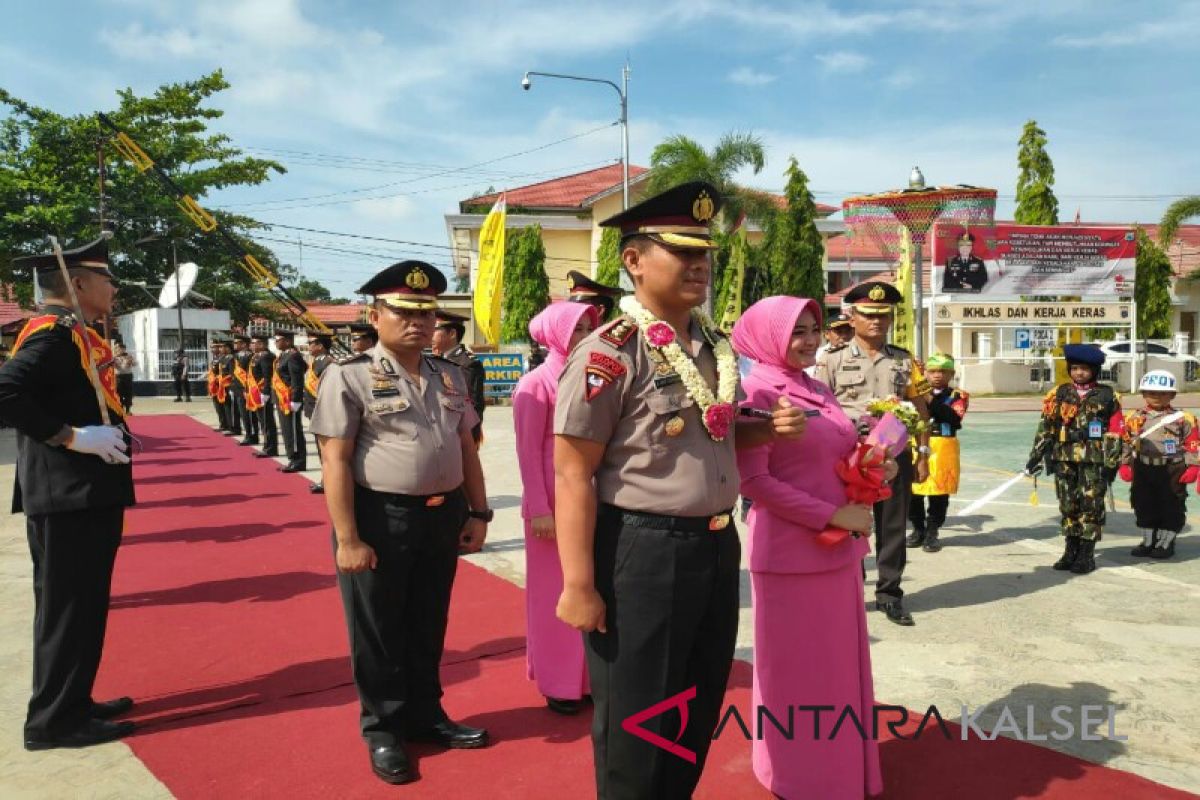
[552,329]
[764,332]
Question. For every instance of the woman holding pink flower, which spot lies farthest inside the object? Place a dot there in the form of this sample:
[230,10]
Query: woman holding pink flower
[810,628]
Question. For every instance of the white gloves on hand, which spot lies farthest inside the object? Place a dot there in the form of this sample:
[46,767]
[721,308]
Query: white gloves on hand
[296,407]
[105,441]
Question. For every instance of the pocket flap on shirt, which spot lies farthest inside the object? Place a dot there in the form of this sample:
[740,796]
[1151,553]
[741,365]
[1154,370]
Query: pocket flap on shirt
[668,402]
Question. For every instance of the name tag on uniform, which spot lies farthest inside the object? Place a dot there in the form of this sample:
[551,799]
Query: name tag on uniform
[388,406]
[849,367]
[1170,447]
[667,380]
[1095,429]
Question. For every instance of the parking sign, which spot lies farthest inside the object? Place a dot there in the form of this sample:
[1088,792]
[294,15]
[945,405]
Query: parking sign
[1022,338]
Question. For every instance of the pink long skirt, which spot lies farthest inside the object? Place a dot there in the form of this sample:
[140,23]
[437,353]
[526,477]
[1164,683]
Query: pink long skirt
[811,648]
[554,650]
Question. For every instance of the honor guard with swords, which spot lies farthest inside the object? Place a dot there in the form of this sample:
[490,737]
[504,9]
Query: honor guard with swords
[1161,457]
[867,368]
[214,383]
[1079,438]
[262,394]
[227,393]
[287,385]
[241,387]
[319,345]
[73,482]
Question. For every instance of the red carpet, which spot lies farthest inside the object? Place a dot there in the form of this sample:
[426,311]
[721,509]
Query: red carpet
[227,629]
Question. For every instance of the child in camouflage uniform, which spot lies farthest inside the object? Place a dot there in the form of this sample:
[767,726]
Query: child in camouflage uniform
[1161,457]
[1080,439]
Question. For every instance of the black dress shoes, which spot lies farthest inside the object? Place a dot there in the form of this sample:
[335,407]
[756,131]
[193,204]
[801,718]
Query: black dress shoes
[110,708]
[292,468]
[566,707]
[390,763]
[265,454]
[317,488]
[247,442]
[94,731]
[449,733]
[895,613]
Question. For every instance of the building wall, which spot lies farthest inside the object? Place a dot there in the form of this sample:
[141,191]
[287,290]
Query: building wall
[566,251]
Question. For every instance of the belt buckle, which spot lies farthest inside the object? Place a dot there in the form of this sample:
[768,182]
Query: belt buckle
[718,522]
[435,500]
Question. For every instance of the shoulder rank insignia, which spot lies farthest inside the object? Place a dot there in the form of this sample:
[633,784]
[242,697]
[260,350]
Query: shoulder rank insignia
[357,358]
[601,371]
[618,332]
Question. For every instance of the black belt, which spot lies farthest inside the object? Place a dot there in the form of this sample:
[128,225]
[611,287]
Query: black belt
[662,522]
[412,500]
[1159,461]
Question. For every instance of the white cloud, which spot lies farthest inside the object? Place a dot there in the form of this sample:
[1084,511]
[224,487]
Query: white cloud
[748,76]
[901,78]
[1182,30]
[843,61]
[384,209]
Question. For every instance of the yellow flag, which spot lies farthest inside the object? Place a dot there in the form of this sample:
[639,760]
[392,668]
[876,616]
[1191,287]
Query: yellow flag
[733,297]
[902,336]
[489,280]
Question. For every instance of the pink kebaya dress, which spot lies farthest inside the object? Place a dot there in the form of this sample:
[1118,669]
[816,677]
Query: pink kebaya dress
[810,626]
[554,650]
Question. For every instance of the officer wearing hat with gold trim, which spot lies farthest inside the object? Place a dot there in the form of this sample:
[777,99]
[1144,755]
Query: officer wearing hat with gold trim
[582,289]
[448,336]
[288,385]
[405,493]
[363,336]
[646,479]
[319,345]
[73,482]
[965,273]
[868,368]
[242,356]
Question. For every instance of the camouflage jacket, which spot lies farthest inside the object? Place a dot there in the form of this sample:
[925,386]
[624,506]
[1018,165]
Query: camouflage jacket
[1087,430]
[1154,443]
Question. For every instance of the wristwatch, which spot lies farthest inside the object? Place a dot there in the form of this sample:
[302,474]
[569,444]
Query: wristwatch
[924,450]
[485,515]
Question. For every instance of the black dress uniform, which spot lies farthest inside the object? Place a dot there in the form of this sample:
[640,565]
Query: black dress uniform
[241,382]
[233,419]
[312,383]
[214,381]
[289,373]
[582,289]
[966,275]
[262,369]
[471,366]
[74,505]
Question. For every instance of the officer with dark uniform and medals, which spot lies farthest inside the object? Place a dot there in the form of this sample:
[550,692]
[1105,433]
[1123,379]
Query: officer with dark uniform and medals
[406,496]
[73,482]
[582,289]
[646,479]
[287,384]
[228,389]
[214,383]
[965,272]
[241,385]
[262,371]
[319,345]
[363,336]
[448,343]
[868,368]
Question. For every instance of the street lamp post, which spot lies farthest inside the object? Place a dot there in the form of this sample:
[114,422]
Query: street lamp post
[623,93]
[917,181]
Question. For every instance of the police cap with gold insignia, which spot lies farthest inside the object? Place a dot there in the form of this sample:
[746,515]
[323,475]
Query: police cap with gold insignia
[410,284]
[966,238]
[873,297]
[93,256]
[446,319]
[838,320]
[679,218]
[324,338]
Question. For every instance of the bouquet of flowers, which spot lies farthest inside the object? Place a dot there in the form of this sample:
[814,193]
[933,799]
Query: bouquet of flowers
[863,470]
[902,410]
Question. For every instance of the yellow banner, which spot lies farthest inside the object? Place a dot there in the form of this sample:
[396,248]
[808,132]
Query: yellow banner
[733,297]
[902,335]
[489,280]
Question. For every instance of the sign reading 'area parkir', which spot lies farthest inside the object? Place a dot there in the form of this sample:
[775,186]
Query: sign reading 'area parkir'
[1032,313]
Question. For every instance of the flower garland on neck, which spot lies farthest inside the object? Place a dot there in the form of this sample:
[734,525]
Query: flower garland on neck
[716,411]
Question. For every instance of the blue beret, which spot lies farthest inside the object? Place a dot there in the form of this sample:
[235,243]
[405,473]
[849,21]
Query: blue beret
[1087,354]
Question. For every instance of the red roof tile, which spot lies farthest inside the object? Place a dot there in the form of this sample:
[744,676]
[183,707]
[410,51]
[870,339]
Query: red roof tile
[10,312]
[338,314]
[567,192]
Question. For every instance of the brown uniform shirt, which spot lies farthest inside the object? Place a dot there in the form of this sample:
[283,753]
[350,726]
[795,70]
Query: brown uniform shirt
[856,378]
[644,468]
[406,437]
[1176,441]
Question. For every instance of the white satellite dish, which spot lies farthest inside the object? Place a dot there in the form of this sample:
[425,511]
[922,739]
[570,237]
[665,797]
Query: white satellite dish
[178,285]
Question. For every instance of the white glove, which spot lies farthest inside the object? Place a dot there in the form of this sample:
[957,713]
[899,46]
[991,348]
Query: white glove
[296,407]
[105,441]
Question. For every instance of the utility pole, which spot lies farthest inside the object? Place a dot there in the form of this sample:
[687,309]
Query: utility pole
[100,163]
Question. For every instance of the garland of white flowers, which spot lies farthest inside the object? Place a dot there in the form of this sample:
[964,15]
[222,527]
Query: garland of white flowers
[716,411]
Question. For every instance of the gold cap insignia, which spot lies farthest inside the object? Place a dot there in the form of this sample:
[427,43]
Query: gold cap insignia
[417,279]
[702,207]
[876,293]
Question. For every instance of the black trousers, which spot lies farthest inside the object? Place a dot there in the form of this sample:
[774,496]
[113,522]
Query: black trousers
[219,407]
[1159,500]
[73,555]
[182,388]
[125,389]
[938,505]
[266,425]
[294,446]
[396,613]
[672,619]
[249,418]
[891,526]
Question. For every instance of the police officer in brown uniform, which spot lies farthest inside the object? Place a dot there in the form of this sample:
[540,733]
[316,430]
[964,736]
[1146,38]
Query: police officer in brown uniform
[582,289]
[448,343]
[646,479]
[405,493]
[868,368]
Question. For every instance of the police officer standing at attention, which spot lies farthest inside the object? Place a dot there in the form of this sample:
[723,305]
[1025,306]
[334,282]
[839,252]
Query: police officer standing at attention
[447,342]
[262,371]
[645,480]
[868,368]
[582,289]
[233,419]
[214,383]
[241,382]
[406,495]
[73,481]
[288,386]
[965,272]
[319,345]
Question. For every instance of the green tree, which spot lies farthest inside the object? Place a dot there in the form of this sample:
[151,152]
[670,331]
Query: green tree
[793,246]
[1036,203]
[1178,212]
[308,290]
[526,287]
[608,257]
[49,180]
[679,159]
[1152,289]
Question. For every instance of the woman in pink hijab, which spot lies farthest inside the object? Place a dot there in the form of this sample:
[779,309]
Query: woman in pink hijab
[810,623]
[554,650]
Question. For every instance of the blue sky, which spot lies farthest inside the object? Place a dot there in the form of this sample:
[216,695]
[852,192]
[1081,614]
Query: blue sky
[409,94]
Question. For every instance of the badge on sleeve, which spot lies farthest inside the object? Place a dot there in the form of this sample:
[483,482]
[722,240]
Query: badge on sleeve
[601,371]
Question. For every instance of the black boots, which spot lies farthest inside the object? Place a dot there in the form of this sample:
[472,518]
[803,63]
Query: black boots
[932,545]
[916,538]
[1069,554]
[1085,559]
[1164,544]
[1146,548]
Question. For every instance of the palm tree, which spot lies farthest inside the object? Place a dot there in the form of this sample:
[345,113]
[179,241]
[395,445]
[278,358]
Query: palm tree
[679,159]
[1176,213]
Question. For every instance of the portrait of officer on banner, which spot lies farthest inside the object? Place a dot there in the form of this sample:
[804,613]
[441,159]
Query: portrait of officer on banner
[965,272]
